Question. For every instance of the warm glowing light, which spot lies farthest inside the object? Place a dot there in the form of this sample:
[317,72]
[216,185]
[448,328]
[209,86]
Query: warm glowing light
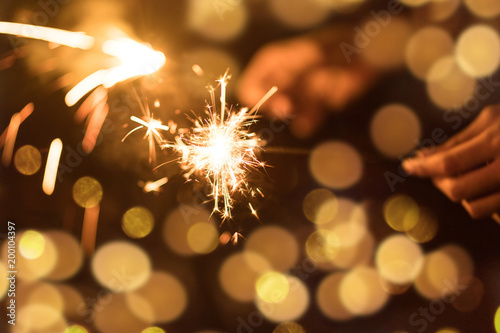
[272,287]
[361,293]
[69,255]
[401,212]
[292,307]
[289,327]
[39,317]
[394,130]
[447,84]
[75,329]
[322,245]
[154,186]
[10,140]
[496,320]
[426,227]
[399,260]
[136,60]
[203,237]
[484,8]
[239,273]
[320,206]
[276,244]
[153,329]
[121,266]
[221,149]
[425,47]
[32,244]
[469,298]
[87,192]
[478,51]
[137,222]
[28,160]
[115,316]
[336,165]
[328,298]
[49,178]
[162,299]
[4,283]
[57,36]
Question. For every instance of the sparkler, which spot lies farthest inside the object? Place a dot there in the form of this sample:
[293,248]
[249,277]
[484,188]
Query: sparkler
[222,149]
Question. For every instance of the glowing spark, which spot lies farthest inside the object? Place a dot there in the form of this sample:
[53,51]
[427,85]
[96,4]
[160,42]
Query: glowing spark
[49,178]
[62,37]
[23,114]
[136,60]
[153,127]
[154,186]
[222,149]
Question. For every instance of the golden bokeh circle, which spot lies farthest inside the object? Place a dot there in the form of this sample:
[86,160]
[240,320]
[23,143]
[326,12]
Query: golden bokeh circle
[138,222]
[289,327]
[87,192]
[27,160]
[31,244]
[322,245]
[484,8]
[394,130]
[336,165]
[401,212]
[272,287]
[320,206]
[478,51]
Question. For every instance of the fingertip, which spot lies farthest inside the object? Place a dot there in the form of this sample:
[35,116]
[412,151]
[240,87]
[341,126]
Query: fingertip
[409,166]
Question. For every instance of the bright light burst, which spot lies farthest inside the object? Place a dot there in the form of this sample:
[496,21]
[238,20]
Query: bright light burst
[136,60]
[221,148]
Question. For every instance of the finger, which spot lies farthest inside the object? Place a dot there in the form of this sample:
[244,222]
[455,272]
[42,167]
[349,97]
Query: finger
[474,184]
[473,129]
[483,207]
[461,158]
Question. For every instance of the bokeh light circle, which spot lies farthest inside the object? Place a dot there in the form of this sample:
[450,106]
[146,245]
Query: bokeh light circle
[121,266]
[276,244]
[478,51]
[28,160]
[395,129]
[336,165]
[137,222]
[87,192]
[320,206]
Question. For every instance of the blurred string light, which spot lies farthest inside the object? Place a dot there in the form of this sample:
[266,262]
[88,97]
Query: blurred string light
[52,166]
[8,137]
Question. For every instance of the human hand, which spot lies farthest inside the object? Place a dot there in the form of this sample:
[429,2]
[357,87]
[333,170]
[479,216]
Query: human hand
[467,167]
[308,85]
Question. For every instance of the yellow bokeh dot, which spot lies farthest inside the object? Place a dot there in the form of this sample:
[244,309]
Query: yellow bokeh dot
[32,244]
[484,8]
[137,222]
[75,329]
[497,320]
[322,245]
[478,51]
[153,329]
[290,327]
[203,237]
[448,330]
[87,192]
[27,160]
[272,287]
[320,206]
[426,227]
[401,213]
